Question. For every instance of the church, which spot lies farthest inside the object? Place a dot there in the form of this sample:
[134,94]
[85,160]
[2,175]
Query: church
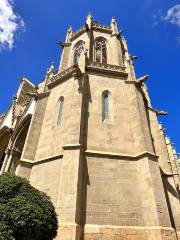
[89,137]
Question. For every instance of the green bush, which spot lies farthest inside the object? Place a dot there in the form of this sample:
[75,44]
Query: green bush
[25,212]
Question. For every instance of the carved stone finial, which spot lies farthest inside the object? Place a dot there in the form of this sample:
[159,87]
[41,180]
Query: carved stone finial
[70,29]
[51,68]
[114,27]
[69,34]
[89,16]
[88,22]
[113,20]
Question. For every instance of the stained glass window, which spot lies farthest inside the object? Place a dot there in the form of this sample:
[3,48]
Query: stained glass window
[105,105]
[100,51]
[60,110]
[79,47]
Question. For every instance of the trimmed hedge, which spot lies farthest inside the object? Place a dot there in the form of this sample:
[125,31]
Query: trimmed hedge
[25,212]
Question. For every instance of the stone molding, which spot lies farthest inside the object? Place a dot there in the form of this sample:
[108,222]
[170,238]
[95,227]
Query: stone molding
[90,152]
[39,161]
[72,146]
[119,155]
[97,227]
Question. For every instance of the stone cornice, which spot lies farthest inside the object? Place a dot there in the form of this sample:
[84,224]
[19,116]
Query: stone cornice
[72,146]
[106,68]
[120,155]
[91,153]
[39,161]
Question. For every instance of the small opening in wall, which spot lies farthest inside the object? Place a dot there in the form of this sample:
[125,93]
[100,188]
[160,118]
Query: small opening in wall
[105,105]
[60,110]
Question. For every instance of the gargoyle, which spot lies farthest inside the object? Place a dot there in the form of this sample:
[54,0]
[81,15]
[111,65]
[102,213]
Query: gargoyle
[61,44]
[133,57]
[142,79]
[120,33]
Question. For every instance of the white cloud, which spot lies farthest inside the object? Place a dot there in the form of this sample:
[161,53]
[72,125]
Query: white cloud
[173,15]
[157,17]
[10,23]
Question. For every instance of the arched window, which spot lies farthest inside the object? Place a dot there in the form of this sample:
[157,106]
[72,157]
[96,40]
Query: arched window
[100,50]
[78,49]
[60,110]
[105,105]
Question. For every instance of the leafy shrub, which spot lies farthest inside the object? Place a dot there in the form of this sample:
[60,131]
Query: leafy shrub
[25,212]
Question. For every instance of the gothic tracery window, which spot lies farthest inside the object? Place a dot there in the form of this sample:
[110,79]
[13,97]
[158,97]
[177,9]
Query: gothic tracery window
[79,47]
[105,105]
[100,50]
[60,110]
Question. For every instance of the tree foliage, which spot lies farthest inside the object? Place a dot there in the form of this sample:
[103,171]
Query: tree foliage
[25,212]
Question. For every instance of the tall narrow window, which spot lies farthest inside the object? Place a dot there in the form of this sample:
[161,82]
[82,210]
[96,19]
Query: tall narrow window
[105,105]
[79,47]
[100,50]
[60,110]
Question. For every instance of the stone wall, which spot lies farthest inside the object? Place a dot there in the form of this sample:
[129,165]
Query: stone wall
[113,195]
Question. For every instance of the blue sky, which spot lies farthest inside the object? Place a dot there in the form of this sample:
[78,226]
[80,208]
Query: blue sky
[29,31]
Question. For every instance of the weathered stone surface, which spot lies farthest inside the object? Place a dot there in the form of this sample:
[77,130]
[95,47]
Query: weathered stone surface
[109,179]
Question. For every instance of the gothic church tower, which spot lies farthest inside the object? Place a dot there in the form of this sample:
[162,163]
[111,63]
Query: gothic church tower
[89,137]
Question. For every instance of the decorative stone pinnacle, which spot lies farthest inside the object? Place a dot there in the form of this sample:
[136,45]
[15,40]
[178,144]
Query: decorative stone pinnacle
[89,16]
[69,34]
[51,68]
[113,20]
[114,27]
[88,22]
[70,29]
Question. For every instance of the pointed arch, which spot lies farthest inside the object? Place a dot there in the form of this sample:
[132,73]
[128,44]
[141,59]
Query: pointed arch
[100,50]
[78,49]
[18,139]
[4,141]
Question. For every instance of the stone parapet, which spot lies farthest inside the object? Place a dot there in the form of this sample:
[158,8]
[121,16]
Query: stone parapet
[107,68]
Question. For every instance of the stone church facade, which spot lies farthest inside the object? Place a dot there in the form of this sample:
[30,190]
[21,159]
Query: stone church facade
[88,137]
